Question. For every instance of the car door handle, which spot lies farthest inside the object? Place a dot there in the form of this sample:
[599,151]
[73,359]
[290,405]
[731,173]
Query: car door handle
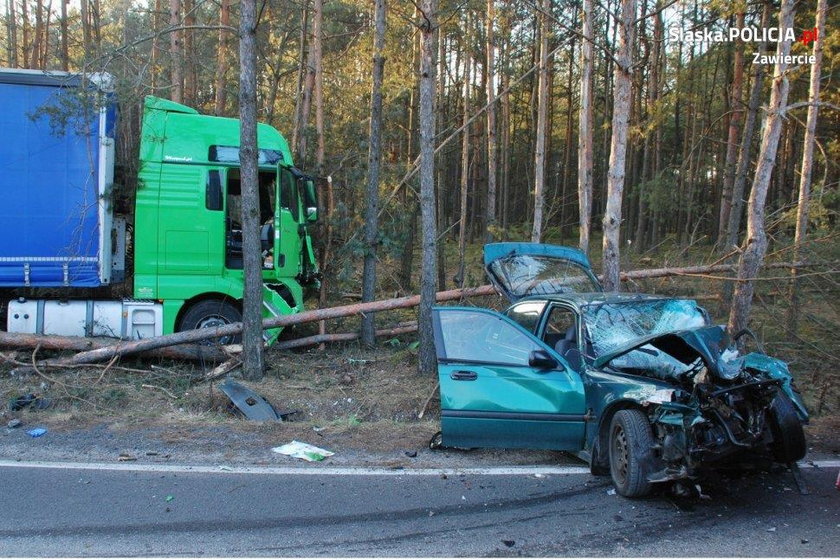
[463,375]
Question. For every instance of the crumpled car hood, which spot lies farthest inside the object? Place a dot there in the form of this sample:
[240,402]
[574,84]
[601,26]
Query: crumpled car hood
[710,343]
[713,346]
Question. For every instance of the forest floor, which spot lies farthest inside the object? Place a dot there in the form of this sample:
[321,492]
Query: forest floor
[364,404]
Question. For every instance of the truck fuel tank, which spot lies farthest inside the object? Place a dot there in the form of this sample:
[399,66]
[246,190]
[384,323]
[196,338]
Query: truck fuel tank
[126,319]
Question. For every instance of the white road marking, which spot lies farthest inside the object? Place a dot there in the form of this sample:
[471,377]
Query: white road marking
[319,470]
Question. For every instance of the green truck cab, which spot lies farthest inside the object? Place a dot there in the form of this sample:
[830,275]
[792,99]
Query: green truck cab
[188,238]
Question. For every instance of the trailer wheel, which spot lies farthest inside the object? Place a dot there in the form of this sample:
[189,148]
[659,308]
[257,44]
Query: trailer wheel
[211,313]
[631,442]
[788,436]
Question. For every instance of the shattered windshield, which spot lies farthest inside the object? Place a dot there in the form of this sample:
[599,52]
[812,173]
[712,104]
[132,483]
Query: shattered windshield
[529,275]
[611,326]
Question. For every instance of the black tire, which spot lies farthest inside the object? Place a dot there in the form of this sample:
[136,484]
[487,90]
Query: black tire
[211,313]
[631,444]
[436,442]
[788,436]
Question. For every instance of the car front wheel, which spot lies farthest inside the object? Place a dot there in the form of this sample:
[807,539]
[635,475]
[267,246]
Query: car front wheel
[631,444]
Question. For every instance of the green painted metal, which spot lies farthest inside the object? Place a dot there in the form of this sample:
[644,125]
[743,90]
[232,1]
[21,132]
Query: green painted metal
[180,239]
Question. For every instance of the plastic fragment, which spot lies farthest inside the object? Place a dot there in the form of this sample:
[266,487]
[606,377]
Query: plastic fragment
[303,451]
[14,423]
[611,492]
[37,432]
[169,498]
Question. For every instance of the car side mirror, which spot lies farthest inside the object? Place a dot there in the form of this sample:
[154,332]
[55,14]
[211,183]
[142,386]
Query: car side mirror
[541,359]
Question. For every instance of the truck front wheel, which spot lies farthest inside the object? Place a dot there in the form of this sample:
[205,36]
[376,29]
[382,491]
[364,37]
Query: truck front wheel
[211,313]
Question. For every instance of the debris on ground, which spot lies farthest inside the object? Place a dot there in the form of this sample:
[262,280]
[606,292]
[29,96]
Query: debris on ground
[37,432]
[252,404]
[14,423]
[303,451]
[611,492]
[508,543]
[29,400]
[170,497]
[123,457]
[411,454]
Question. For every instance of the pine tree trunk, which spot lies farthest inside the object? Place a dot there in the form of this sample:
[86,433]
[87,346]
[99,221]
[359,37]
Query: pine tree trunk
[176,69]
[807,164]
[65,53]
[465,159]
[11,30]
[374,159]
[736,112]
[190,78]
[318,90]
[299,84]
[542,126]
[222,63]
[252,340]
[752,256]
[428,26]
[490,74]
[585,132]
[744,152]
[618,147]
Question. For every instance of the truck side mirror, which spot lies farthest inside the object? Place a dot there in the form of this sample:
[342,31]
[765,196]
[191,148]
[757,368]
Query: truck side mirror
[310,200]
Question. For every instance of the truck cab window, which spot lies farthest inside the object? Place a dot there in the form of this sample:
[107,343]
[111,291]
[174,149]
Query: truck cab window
[233,217]
[288,193]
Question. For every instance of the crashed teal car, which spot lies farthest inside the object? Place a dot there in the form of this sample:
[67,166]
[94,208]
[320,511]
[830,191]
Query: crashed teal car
[643,387]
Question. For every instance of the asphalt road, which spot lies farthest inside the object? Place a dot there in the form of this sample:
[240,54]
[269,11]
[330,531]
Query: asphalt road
[69,512]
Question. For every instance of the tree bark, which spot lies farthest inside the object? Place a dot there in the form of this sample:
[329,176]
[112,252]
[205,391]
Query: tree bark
[807,163]
[222,63]
[252,340]
[752,256]
[176,68]
[374,159]
[736,112]
[744,152]
[465,157]
[191,352]
[542,125]
[318,90]
[427,361]
[490,74]
[585,137]
[65,53]
[618,146]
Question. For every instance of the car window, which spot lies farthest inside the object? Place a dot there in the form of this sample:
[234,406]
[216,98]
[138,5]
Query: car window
[527,314]
[473,336]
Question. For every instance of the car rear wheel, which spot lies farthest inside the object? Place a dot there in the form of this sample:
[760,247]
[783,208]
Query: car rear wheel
[631,444]
[211,313]
[788,435]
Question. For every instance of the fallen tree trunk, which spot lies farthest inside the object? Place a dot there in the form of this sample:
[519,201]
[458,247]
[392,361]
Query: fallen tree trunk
[194,352]
[694,270]
[137,346]
[188,337]
[341,337]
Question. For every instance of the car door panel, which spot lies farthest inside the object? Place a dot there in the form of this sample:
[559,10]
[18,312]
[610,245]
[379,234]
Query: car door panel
[491,397]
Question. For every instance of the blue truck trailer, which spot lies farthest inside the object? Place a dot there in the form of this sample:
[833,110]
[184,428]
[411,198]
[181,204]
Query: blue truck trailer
[57,169]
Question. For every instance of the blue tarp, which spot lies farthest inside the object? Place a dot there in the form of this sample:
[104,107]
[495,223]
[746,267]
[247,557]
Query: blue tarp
[48,183]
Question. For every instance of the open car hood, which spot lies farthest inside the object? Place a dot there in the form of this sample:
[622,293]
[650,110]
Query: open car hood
[708,343]
[519,270]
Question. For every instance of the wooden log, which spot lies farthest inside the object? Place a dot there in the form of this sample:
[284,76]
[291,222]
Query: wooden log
[340,337]
[194,352]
